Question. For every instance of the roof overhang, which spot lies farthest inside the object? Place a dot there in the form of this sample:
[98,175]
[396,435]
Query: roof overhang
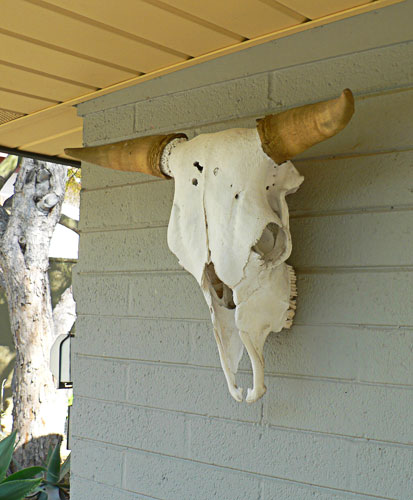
[56,54]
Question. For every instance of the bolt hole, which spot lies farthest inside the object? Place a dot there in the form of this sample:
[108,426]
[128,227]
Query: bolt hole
[237,196]
[195,182]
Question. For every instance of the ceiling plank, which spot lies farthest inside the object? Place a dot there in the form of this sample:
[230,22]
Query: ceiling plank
[56,63]
[22,103]
[82,37]
[39,85]
[53,146]
[152,23]
[314,9]
[250,18]
[41,127]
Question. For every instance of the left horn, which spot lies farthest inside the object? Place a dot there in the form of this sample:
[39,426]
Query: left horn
[291,132]
[135,155]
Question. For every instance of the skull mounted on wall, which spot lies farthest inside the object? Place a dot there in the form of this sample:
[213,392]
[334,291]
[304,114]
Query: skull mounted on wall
[229,224]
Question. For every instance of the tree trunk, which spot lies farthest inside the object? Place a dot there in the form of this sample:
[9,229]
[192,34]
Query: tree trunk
[38,409]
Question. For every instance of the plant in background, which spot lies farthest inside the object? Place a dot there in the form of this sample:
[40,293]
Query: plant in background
[21,483]
[41,483]
[53,486]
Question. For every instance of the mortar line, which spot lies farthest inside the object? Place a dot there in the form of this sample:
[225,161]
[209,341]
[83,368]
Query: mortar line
[383,326]
[246,371]
[282,428]
[237,470]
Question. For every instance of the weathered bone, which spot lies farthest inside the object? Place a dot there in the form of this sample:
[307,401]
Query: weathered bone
[287,134]
[229,224]
[135,155]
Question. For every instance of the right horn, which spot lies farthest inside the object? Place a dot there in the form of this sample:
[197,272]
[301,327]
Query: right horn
[291,132]
[135,155]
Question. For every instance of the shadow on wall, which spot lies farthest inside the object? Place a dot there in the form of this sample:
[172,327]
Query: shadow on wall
[60,276]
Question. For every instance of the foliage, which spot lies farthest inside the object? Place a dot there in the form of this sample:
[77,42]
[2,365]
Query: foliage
[73,184]
[53,486]
[41,483]
[21,483]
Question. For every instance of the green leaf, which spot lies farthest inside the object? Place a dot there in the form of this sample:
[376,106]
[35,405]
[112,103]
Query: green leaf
[65,468]
[17,490]
[6,452]
[29,473]
[53,465]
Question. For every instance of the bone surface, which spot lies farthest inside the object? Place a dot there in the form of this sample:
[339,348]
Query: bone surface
[229,227]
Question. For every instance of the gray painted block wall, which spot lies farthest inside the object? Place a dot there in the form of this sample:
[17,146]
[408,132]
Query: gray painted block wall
[152,417]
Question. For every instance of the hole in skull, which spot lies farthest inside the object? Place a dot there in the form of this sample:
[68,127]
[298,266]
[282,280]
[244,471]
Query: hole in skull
[222,291]
[195,182]
[198,166]
[271,243]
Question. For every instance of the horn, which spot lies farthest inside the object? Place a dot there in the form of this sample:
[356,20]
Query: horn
[136,155]
[291,132]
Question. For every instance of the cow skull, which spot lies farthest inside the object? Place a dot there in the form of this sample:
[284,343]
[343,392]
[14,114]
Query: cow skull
[229,224]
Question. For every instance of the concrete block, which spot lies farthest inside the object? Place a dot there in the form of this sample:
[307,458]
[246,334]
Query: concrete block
[341,298]
[83,489]
[95,177]
[120,122]
[169,295]
[363,72]
[358,465]
[209,104]
[188,389]
[343,408]
[96,462]
[127,250]
[343,184]
[374,355]
[94,129]
[369,239]
[109,125]
[130,426]
[274,489]
[134,338]
[166,477]
[100,378]
[141,205]
[107,295]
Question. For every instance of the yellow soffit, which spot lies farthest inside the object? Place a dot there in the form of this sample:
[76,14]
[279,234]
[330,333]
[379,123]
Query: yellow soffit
[55,54]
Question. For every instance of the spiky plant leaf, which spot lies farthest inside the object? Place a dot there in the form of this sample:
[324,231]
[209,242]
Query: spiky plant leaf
[6,452]
[17,490]
[29,473]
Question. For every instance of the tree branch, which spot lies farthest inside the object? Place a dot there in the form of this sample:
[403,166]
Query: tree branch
[69,223]
[64,314]
[4,220]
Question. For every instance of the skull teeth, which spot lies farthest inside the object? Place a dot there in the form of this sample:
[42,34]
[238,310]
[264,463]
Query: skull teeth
[293,294]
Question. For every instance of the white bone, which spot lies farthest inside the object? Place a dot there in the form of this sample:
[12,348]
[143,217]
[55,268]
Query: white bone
[229,227]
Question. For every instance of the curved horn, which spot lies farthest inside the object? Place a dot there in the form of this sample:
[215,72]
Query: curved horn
[135,155]
[291,132]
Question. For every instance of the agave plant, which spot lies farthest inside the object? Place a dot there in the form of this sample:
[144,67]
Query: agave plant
[21,483]
[36,483]
[52,486]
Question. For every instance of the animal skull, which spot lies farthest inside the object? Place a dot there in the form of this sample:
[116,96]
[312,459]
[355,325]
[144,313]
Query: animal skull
[229,223]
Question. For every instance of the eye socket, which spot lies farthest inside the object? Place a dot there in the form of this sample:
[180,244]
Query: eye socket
[272,244]
[267,241]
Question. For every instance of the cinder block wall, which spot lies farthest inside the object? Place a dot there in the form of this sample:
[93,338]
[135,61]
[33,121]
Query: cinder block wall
[152,417]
